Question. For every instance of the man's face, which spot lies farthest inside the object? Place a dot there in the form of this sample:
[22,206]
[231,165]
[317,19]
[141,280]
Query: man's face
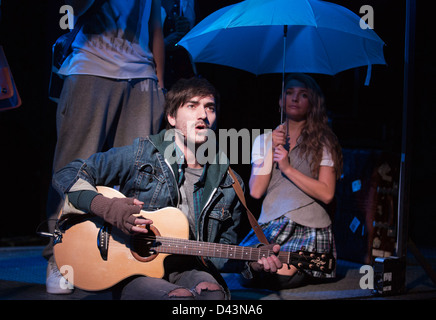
[194,119]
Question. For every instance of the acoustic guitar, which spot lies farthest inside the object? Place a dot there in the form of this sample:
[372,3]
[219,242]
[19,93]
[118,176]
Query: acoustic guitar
[94,256]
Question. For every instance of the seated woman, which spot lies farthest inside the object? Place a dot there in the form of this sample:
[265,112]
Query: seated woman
[295,169]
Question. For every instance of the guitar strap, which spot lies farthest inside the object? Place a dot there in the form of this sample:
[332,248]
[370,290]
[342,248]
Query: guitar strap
[253,221]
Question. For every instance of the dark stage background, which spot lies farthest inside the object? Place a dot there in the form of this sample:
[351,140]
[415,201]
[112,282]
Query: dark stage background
[366,119]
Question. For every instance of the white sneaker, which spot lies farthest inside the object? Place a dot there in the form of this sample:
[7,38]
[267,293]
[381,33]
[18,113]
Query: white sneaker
[54,279]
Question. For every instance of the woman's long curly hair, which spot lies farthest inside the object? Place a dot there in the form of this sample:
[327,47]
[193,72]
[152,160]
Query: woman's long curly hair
[316,133]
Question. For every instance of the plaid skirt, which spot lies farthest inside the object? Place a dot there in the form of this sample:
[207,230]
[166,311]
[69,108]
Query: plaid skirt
[293,237]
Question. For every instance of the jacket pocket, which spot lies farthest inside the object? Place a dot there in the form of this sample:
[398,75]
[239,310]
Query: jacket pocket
[149,183]
[149,173]
[219,220]
[220,214]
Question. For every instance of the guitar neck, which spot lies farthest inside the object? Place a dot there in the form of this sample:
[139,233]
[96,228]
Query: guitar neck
[324,262]
[217,250]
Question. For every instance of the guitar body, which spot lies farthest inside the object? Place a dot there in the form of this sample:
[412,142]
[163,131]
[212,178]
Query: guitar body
[78,250]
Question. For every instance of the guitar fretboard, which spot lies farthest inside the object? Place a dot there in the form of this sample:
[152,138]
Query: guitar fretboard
[217,250]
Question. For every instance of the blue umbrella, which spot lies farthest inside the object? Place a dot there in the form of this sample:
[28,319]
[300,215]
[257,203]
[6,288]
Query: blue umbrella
[278,36]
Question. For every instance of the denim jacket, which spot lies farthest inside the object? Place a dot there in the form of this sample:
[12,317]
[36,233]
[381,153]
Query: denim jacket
[144,171]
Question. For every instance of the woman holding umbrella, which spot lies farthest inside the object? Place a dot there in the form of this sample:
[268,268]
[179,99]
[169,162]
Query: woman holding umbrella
[296,167]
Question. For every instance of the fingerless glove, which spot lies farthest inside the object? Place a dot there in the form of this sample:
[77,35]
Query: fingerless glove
[116,211]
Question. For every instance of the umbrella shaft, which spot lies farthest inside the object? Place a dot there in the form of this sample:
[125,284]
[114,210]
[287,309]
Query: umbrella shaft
[285,33]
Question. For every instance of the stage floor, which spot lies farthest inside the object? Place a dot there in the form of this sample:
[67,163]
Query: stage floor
[23,270]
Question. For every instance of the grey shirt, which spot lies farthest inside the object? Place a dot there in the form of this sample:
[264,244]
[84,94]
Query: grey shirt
[191,176]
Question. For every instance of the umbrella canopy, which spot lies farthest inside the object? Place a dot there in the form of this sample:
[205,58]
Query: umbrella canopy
[275,36]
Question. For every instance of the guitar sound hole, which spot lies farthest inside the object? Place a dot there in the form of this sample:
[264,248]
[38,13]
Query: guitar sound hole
[142,245]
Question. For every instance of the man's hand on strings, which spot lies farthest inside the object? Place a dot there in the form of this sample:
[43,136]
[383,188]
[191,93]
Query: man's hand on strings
[121,213]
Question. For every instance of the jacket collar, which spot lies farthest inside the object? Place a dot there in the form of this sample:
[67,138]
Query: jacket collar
[215,172]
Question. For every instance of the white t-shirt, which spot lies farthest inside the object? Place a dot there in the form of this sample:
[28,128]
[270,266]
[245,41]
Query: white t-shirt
[115,43]
[263,144]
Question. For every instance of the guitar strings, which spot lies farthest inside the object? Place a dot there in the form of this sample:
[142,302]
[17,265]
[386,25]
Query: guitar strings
[300,259]
[177,245]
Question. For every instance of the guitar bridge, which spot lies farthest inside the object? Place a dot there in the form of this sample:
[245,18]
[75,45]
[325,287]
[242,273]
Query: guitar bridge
[103,240]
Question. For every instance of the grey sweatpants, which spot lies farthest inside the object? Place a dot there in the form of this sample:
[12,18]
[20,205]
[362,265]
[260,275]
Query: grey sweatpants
[95,114]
